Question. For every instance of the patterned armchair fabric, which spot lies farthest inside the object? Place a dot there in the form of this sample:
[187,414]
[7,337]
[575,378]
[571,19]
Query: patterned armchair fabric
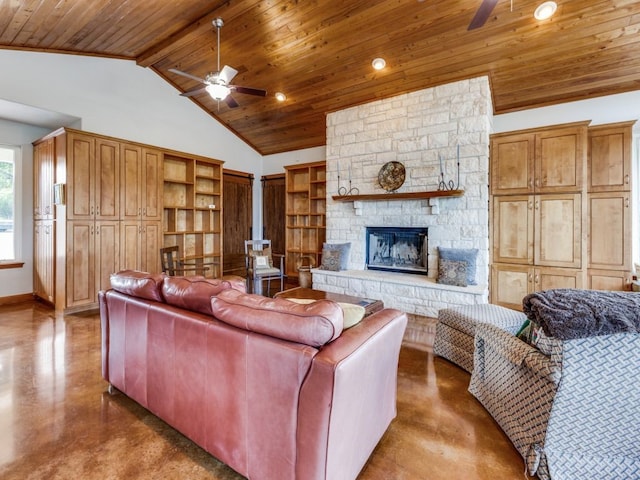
[572,411]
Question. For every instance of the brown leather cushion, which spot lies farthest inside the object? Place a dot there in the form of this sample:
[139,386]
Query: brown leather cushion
[138,284]
[314,324]
[193,292]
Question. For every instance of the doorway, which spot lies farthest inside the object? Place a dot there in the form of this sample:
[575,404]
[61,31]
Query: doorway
[237,219]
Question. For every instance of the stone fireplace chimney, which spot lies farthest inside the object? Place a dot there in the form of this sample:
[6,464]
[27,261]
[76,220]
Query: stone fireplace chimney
[423,130]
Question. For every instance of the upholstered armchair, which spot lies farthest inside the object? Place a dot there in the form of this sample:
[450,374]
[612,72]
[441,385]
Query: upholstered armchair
[570,407]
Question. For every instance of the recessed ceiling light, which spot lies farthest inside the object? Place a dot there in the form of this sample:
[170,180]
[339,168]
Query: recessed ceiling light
[378,63]
[281,97]
[545,10]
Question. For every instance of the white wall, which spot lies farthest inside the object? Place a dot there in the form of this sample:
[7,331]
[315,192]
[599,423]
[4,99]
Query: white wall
[276,163]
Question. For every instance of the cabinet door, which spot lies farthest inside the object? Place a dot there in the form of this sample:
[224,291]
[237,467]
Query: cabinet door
[107,179]
[549,278]
[512,160]
[558,230]
[44,178]
[131,182]
[80,176]
[151,195]
[615,280]
[609,158]
[107,255]
[81,276]
[513,229]
[44,259]
[151,239]
[610,230]
[560,159]
[130,255]
[510,284]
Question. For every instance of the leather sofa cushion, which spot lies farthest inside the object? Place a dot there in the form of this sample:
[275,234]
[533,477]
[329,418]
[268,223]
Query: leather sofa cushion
[353,313]
[193,292]
[314,324]
[138,284]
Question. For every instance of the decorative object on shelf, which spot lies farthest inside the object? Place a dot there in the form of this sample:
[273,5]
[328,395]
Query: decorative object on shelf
[391,176]
[443,185]
[342,191]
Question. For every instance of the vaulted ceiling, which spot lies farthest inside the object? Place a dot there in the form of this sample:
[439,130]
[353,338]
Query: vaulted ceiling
[319,52]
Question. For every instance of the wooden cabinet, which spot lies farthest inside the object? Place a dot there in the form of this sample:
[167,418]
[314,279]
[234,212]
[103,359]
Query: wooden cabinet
[305,213]
[609,158]
[511,283]
[92,253]
[113,216]
[545,160]
[192,217]
[141,183]
[551,228]
[543,230]
[93,177]
[537,211]
[609,206]
[44,260]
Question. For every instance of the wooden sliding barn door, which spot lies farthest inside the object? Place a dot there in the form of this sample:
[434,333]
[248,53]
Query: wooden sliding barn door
[237,221]
[273,211]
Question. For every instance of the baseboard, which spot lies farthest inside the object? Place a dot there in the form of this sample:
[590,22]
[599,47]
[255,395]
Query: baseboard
[23,297]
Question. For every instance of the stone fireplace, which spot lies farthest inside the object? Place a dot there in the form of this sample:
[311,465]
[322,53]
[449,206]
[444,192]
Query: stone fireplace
[437,132]
[397,249]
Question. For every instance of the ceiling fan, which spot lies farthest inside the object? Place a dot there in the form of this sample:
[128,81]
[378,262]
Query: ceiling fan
[482,14]
[217,83]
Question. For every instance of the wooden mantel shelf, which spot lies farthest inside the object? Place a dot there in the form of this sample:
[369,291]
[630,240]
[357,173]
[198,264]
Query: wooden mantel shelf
[399,196]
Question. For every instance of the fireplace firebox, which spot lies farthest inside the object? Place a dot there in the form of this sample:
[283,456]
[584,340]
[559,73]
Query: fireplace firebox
[398,249]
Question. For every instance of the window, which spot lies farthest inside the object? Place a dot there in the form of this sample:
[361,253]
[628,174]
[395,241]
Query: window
[9,156]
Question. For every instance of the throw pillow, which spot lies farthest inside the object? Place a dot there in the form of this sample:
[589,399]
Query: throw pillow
[265,252]
[451,272]
[468,255]
[260,261]
[343,248]
[330,260]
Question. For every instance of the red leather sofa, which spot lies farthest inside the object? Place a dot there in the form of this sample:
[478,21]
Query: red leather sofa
[275,389]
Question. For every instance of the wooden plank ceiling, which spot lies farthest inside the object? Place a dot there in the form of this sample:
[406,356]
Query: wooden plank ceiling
[319,52]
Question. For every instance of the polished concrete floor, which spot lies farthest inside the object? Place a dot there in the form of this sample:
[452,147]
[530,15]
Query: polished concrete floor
[58,422]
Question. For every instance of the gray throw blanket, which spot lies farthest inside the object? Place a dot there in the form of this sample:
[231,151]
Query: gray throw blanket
[572,313]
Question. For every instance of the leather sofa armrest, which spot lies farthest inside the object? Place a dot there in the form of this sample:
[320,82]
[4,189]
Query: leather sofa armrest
[351,389]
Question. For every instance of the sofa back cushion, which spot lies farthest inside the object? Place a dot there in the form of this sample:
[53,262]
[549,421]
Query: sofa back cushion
[193,292]
[314,324]
[138,284]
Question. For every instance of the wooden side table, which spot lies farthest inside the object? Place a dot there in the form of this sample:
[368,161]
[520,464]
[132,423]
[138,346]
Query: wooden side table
[370,305]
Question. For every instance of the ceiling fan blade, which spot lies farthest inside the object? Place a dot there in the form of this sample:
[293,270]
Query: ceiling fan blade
[483,13]
[249,91]
[192,92]
[188,75]
[231,101]
[227,73]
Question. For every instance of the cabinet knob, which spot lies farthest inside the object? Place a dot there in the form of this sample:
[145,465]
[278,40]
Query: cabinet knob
[626,202]
[626,179]
[530,278]
[537,279]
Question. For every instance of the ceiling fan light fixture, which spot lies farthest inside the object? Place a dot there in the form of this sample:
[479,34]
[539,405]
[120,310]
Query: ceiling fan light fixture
[218,91]
[281,97]
[378,63]
[545,10]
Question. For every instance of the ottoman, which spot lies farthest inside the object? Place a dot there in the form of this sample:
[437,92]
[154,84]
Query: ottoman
[456,328]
